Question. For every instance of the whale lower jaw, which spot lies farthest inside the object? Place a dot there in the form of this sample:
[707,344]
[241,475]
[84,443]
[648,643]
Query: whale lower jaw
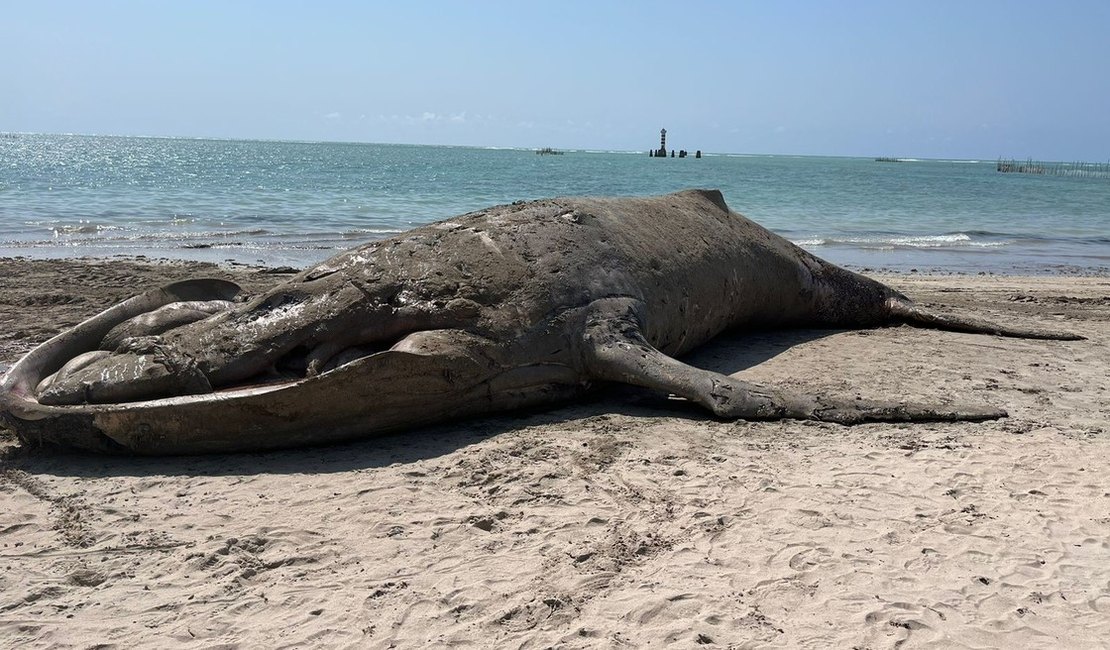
[319,410]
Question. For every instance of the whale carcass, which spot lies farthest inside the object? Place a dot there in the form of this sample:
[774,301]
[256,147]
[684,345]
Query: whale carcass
[512,306]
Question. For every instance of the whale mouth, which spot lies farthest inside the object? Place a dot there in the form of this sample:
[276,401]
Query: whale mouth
[254,416]
[423,377]
[90,425]
[22,380]
[264,413]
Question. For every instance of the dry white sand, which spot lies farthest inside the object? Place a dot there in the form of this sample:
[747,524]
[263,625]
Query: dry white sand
[623,521]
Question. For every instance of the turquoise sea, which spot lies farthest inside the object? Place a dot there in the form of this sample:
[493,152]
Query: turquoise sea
[296,203]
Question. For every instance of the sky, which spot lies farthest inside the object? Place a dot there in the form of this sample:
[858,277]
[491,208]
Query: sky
[936,79]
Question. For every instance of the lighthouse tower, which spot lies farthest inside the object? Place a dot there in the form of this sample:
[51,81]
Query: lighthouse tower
[661,152]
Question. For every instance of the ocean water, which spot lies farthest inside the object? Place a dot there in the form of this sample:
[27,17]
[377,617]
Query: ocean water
[296,203]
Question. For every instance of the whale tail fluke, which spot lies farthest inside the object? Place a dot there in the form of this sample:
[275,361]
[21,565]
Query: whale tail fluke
[907,312]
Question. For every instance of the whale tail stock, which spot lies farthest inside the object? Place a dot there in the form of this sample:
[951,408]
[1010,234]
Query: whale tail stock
[906,311]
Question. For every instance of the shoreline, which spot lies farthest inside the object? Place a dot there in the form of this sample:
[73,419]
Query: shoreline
[619,519]
[212,256]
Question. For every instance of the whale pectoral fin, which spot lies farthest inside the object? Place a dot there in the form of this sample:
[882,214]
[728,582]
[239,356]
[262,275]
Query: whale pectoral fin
[908,312]
[616,350]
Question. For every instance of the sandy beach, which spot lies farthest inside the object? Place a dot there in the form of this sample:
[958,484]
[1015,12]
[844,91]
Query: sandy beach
[625,520]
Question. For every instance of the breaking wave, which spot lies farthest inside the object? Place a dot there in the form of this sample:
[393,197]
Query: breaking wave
[976,239]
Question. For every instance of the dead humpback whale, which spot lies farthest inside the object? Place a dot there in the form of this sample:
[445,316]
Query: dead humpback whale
[511,306]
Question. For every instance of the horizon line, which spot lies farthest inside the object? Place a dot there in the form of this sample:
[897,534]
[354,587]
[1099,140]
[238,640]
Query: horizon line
[906,158]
